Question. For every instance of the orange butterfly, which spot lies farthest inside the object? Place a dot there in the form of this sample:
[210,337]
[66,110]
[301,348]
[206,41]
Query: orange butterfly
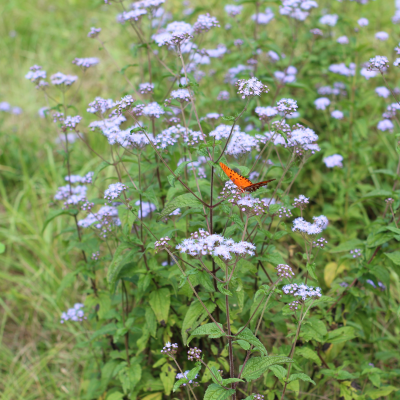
[243,184]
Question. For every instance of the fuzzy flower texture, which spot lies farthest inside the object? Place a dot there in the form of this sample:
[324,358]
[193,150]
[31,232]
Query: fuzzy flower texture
[302,290]
[201,243]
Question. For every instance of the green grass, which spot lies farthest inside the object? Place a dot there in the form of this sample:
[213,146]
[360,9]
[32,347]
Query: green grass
[39,359]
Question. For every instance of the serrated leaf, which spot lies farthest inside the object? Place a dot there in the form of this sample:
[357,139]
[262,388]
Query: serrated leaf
[217,392]
[394,257]
[249,337]
[159,300]
[308,353]
[302,377]
[181,167]
[256,366]
[168,376]
[210,330]
[193,372]
[243,344]
[228,381]
[381,392]
[215,375]
[184,200]
[221,288]
[311,270]
[179,383]
[341,335]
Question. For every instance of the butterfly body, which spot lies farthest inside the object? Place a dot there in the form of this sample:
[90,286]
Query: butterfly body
[243,184]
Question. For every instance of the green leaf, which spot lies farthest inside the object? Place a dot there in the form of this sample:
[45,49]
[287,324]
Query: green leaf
[217,392]
[279,234]
[375,240]
[193,372]
[347,246]
[210,330]
[159,300]
[130,376]
[184,200]
[57,213]
[273,258]
[308,353]
[249,337]
[341,335]
[221,288]
[243,344]
[123,69]
[193,318]
[301,376]
[311,270]
[168,376]
[256,366]
[378,193]
[278,371]
[151,322]
[171,178]
[381,392]
[2,248]
[313,328]
[394,257]
[115,396]
[179,383]
[116,266]
[228,381]
[100,167]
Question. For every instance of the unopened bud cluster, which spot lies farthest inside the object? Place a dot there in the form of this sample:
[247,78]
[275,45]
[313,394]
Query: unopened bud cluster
[389,201]
[96,255]
[284,212]
[321,242]
[356,253]
[284,271]
[258,397]
[194,354]
[301,202]
[294,305]
[162,243]
[170,349]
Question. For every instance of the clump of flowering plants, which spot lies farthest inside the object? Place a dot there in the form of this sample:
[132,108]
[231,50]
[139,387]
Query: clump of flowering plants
[196,288]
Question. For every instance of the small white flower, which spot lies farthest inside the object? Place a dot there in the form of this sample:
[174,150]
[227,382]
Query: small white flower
[382,36]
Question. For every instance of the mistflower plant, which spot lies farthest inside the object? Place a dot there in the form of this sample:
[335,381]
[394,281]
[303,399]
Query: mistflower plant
[193,287]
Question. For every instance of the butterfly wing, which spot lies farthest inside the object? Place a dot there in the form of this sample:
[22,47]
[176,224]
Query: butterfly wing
[240,181]
[255,186]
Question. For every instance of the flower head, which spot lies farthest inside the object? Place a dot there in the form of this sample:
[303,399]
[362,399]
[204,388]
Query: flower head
[287,106]
[251,87]
[86,63]
[75,313]
[145,88]
[94,32]
[204,23]
[114,191]
[302,290]
[170,349]
[194,354]
[335,160]
[378,63]
[284,271]
[356,253]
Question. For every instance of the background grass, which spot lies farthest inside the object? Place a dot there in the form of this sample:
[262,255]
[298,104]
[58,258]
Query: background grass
[39,359]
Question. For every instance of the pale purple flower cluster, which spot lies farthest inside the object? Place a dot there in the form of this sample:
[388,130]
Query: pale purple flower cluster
[181,95]
[297,9]
[75,313]
[80,179]
[301,201]
[343,40]
[287,106]
[184,375]
[36,74]
[71,195]
[337,114]
[251,87]
[230,190]
[263,18]
[153,110]
[250,205]
[335,160]
[240,143]
[145,88]
[329,19]
[356,253]
[385,125]
[114,191]
[94,32]
[382,36]
[170,349]
[168,137]
[233,10]
[321,242]
[266,113]
[60,79]
[338,88]
[86,63]
[322,103]
[379,63]
[204,23]
[380,284]
[175,33]
[363,22]
[202,243]
[258,397]
[286,76]
[284,271]
[194,354]
[105,220]
[162,243]
[302,290]
[223,95]
[95,256]
[389,200]
[342,69]
[382,91]
[100,106]
[303,226]
[132,15]
[124,104]
[198,166]
[147,208]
